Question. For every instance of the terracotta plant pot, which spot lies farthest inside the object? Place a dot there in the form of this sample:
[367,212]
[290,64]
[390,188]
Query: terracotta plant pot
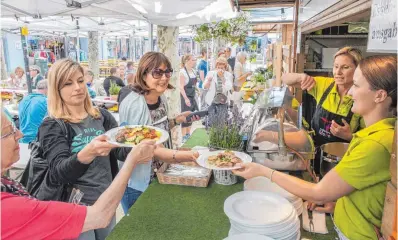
[114,97]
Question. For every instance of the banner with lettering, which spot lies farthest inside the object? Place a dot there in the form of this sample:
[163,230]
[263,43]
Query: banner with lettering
[383,27]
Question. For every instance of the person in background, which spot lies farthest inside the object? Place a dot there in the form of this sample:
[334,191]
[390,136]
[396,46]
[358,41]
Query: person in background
[94,84]
[218,81]
[89,78]
[231,60]
[129,70]
[32,111]
[19,81]
[144,103]
[223,55]
[332,121]
[125,90]
[122,70]
[202,70]
[114,78]
[188,80]
[29,218]
[202,67]
[239,71]
[359,181]
[35,75]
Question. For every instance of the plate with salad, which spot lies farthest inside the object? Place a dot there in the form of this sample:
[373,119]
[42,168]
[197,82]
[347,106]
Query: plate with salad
[131,135]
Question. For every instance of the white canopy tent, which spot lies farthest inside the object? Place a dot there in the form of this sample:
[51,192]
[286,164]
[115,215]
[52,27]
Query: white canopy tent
[114,17]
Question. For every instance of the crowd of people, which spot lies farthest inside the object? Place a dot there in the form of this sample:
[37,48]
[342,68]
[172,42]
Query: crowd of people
[354,106]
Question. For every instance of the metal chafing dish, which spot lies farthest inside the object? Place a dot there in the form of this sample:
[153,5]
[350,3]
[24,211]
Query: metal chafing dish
[269,113]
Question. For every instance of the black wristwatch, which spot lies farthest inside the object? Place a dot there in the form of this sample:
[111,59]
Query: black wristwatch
[175,122]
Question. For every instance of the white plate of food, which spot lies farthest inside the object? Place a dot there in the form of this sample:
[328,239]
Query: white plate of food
[223,160]
[131,135]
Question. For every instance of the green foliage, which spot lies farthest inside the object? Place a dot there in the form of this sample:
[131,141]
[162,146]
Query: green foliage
[226,137]
[258,77]
[253,58]
[114,89]
[253,45]
[233,30]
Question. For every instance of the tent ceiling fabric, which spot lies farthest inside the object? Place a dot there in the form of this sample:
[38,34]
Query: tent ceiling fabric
[160,12]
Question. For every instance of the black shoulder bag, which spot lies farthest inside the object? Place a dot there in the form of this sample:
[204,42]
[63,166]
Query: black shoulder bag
[35,177]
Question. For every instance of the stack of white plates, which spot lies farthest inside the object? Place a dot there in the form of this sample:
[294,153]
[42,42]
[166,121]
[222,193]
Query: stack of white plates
[248,236]
[263,184]
[262,213]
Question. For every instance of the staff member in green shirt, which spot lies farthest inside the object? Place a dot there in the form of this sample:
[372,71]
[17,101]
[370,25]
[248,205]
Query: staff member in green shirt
[332,121]
[359,181]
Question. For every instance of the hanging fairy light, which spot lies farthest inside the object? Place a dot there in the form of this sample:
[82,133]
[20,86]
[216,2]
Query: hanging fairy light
[283,14]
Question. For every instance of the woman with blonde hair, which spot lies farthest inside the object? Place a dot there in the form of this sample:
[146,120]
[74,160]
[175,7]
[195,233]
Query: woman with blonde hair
[359,181]
[332,121]
[218,81]
[188,79]
[239,70]
[73,143]
[19,80]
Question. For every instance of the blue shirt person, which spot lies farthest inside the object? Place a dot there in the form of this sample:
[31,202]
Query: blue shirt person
[32,111]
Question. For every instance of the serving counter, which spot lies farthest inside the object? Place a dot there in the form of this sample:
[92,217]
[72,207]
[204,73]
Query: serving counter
[181,212]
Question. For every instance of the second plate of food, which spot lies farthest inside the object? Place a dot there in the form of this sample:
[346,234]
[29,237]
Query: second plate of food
[223,160]
[131,135]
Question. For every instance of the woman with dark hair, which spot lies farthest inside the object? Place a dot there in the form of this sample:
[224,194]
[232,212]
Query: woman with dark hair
[144,103]
[359,181]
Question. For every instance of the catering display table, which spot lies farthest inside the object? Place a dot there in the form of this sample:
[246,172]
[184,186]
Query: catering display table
[180,212]
[12,109]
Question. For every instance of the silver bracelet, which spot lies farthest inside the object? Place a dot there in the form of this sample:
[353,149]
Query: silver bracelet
[174,155]
[272,173]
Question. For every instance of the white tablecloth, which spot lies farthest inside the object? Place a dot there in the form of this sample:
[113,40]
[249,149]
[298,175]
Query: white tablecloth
[10,108]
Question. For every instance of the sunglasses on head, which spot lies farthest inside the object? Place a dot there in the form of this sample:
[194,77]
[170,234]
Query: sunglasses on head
[158,73]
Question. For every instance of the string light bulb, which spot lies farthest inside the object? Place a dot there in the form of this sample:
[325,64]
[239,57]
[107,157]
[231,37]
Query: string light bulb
[283,14]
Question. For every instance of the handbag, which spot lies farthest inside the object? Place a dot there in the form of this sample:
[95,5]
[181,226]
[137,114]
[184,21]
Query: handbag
[36,177]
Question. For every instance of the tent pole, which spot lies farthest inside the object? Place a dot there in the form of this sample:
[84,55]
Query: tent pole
[26,61]
[77,41]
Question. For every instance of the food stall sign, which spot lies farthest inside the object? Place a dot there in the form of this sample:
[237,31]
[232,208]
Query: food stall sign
[25,31]
[383,30]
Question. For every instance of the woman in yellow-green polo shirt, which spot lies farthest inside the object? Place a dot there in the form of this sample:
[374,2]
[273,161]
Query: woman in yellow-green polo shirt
[332,121]
[359,181]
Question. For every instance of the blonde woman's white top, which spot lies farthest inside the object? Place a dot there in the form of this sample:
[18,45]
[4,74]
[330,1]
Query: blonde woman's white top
[227,85]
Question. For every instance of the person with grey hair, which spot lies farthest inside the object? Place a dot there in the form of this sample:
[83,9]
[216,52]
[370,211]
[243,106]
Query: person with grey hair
[32,111]
[239,71]
[35,75]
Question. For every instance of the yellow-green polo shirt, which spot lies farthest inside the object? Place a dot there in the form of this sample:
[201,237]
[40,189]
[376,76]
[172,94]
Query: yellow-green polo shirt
[365,166]
[332,102]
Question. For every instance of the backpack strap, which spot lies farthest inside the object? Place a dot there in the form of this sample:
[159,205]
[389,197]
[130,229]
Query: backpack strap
[63,127]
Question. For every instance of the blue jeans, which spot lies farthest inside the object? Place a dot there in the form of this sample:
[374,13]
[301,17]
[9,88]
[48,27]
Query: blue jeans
[129,197]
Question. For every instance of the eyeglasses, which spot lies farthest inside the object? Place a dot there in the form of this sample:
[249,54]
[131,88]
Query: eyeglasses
[158,73]
[13,132]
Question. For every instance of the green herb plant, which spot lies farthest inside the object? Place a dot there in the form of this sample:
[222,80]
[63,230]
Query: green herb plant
[114,89]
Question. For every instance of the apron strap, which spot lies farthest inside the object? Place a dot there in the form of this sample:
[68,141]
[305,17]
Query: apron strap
[323,98]
[325,94]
